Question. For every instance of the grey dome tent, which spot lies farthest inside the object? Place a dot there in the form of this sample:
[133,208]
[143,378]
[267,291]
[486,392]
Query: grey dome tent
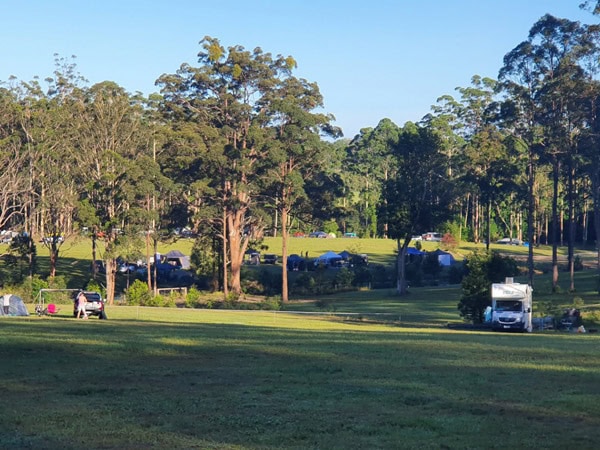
[178,259]
[16,306]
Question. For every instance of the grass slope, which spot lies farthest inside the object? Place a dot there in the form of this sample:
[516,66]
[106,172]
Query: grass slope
[172,378]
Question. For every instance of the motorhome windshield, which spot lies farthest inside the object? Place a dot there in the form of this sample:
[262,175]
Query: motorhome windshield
[509,305]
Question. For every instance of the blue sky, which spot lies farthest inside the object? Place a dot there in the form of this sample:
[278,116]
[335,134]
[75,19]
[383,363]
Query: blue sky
[371,60]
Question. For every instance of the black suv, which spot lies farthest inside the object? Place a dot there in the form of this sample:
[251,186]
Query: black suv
[270,259]
[94,305]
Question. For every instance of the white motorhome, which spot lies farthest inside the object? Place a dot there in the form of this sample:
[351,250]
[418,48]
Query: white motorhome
[511,306]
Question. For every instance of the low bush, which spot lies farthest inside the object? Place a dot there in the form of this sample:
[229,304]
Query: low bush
[456,272]
[139,294]
[193,298]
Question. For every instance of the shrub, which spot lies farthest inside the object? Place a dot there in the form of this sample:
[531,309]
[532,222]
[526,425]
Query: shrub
[203,259]
[270,281]
[153,300]
[344,278]
[578,302]
[476,294]
[449,242]
[192,299]
[93,285]
[231,301]
[414,273]
[20,259]
[252,287]
[591,318]
[58,282]
[500,267]
[431,265]
[381,277]
[483,269]
[331,226]
[305,283]
[261,281]
[547,308]
[37,284]
[272,304]
[325,304]
[139,294]
[456,273]
[362,276]
[171,300]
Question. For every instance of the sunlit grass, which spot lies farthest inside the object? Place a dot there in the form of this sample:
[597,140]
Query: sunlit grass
[176,378]
[367,369]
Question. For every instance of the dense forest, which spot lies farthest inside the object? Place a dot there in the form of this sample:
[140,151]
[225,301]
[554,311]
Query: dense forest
[237,148]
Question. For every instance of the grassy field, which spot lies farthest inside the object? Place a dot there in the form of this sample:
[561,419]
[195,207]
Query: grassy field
[362,369]
[175,378]
[75,259]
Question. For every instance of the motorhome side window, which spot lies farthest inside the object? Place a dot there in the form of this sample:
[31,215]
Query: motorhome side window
[508,305]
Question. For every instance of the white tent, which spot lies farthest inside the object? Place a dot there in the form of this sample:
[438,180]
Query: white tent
[16,306]
[328,259]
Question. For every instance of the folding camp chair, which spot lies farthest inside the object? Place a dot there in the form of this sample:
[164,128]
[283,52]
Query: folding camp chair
[50,310]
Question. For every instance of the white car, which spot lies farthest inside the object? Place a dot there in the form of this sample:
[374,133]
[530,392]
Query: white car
[509,241]
[432,236]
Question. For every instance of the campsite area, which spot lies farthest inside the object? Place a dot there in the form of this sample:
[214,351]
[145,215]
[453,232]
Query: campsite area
[359,369]
[184,378]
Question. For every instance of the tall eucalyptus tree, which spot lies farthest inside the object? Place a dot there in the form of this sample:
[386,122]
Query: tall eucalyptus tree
[543,76]
[370,160]
[109,159]
[225,97]
[296,148]
[48,122]
[419,195]
[589,144]
[14,176]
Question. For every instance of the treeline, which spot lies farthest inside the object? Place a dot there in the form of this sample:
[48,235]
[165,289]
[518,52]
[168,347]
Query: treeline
[238,147]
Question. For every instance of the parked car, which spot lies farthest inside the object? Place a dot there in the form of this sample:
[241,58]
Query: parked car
[127,267]
[94,305]
[432,236]
[7,236]
[270,259]
[49,239]
[509,241]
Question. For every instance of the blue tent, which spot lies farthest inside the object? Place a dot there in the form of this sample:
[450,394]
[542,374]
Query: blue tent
[444,258]
[345,255]
[295,262]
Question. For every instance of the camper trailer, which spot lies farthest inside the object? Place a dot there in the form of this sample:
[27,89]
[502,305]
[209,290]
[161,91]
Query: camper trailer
[511,306]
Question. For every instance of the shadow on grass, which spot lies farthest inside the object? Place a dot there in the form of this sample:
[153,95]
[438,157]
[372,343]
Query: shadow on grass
[228,385]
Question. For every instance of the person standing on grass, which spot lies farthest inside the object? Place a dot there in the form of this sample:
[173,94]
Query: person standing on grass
[81,301]
[6,304]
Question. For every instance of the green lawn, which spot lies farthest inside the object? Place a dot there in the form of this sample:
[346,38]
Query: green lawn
[363,369]
[175,378]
